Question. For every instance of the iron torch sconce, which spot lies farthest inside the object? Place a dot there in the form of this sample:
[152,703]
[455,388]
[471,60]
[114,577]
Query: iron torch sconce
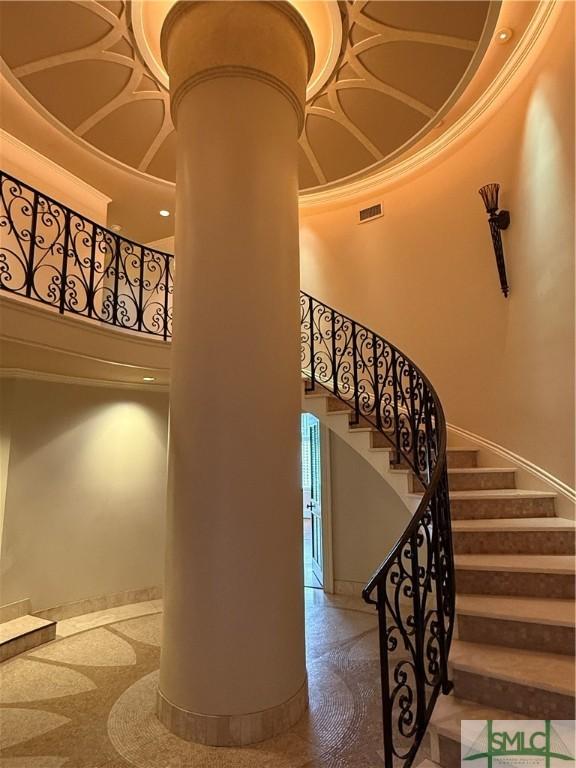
[497,221]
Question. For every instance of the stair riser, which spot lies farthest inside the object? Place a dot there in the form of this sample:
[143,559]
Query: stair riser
[525,700]
[25,642]
[491,509]
[528,635]
[513,542]
[468,482]
[456,460]
[518,584]
[378,440]
[462,459]
[481,481]
[449,752]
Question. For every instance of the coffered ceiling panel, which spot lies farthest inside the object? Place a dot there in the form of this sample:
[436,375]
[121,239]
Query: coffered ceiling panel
[399,67]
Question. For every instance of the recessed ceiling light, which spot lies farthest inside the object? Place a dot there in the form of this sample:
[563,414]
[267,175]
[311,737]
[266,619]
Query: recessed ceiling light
[115,227]
[503,35]
[164,212]
[148,378]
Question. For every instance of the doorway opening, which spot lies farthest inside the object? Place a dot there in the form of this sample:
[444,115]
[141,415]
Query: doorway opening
[312,501]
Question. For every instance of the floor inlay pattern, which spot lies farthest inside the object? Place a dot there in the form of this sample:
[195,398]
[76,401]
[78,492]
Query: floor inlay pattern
[87,701]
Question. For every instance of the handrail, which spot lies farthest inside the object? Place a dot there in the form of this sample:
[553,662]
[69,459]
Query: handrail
[54,255]
[413,589]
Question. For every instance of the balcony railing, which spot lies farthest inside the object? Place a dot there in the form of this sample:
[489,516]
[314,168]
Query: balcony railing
[55,256]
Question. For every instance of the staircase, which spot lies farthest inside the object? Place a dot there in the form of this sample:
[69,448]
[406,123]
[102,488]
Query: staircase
[515,567]
[514,653]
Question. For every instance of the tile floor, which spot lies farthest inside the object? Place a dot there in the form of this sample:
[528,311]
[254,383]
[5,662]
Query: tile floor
[86,700]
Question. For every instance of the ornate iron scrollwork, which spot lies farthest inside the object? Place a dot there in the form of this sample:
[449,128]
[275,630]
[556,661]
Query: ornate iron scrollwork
[413,589]
[54,255]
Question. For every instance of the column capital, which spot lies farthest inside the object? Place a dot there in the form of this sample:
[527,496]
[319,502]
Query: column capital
[265,40]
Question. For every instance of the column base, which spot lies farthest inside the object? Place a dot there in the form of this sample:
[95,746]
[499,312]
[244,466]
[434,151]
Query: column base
[232,730]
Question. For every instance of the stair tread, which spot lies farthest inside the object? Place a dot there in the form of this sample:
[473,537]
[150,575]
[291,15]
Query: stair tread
[10,630]
[558,564]
[555,612]
[515,524]
[450,710]
[498,493]
[478,470]
[547,671]
[502,493]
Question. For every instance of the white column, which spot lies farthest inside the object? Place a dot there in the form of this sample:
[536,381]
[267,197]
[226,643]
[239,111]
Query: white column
[233,664]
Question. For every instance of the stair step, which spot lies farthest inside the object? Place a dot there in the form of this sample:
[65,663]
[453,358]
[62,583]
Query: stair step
[481,478]
[536,624]
[462,458]
[523,535]
[473,479]
[24,633]
[445,726]
[458,458]
[527,682]
[544,576]
[476,505]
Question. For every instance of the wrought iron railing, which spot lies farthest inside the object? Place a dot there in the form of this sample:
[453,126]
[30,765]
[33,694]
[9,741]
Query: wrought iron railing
[54,255]
[413,589]
[58,257]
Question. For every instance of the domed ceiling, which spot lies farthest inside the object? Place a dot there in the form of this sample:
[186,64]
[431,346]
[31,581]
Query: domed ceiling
[389,71]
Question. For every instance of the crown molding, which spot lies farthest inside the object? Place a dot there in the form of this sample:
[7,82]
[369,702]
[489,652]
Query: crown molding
[510,75]
[59,378]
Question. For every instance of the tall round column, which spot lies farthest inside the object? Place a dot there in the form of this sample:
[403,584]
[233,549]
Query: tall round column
[233,665]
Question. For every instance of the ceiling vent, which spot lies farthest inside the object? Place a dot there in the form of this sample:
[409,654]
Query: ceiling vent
[373,212]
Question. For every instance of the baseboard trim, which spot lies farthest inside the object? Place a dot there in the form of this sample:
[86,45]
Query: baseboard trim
[349,588]
[546,477]
[14,610]
[100,603]
[232,730]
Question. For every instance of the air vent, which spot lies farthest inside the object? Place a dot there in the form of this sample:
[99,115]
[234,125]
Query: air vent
[373,212]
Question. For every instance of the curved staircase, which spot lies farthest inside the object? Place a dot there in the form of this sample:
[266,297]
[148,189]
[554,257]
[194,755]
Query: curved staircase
[515,612]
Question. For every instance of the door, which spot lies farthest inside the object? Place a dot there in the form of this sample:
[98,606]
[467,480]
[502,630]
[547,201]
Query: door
[315,503]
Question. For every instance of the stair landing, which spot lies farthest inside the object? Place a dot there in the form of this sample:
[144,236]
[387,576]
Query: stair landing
[24,633]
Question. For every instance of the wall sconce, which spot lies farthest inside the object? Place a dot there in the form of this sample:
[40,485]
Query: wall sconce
[497,220]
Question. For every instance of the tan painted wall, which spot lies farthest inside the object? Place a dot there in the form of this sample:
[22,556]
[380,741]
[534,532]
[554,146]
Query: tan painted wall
[425,277]
[85,498]
[367,515]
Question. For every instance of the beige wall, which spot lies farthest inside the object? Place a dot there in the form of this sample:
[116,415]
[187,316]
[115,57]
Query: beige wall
[85,497]
[83,475]
[424,275]
[367,515]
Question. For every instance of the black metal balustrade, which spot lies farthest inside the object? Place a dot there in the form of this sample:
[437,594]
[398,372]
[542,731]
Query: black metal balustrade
[55,256]
[413,589]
